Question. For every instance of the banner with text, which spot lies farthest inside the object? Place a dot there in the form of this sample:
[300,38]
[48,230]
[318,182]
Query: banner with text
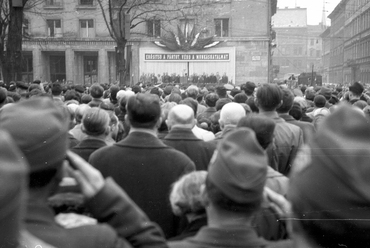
[187,57]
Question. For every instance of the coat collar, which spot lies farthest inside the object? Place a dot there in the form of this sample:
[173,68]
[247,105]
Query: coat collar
[287,117]
[181,133]
[231,236]
[142,140]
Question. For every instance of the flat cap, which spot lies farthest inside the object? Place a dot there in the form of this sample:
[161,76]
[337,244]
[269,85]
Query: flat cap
[239,166]
[39,128]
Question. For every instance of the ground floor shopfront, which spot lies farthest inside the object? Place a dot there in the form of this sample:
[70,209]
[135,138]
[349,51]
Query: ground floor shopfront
[87,62]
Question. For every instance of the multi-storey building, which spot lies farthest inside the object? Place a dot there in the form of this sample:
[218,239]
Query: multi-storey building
[325,36]
[336,44]
[356,40]
[350,42]
[68,40]
[290,54]
[298,45]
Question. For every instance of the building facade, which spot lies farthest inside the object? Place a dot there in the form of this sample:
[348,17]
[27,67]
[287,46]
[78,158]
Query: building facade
[325,36]
[298,45]
[69,41]
[350,42]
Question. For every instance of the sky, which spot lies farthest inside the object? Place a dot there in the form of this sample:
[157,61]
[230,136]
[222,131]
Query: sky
[314,8]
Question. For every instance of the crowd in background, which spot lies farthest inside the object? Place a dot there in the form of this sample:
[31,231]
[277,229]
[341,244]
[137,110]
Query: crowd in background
[202,79]
[184,166]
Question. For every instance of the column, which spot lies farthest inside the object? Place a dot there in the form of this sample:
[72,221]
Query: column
[70,65]
[37,65]
[103,65]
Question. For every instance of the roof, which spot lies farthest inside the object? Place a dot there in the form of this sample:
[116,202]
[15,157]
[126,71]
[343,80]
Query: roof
[290,17]
[340,8]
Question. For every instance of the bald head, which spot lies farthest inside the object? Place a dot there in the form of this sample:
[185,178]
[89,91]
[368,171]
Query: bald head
[231,113]
[181,116]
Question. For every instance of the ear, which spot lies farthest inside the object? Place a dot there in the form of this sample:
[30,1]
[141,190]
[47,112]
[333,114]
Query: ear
[194,123]
[222,124]
[204,194]
[256,102]
[278,106]
[159,122]
[83,129]
[168,123]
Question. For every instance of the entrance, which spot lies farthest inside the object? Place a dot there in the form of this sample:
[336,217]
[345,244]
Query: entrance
[57,68]
[90,70]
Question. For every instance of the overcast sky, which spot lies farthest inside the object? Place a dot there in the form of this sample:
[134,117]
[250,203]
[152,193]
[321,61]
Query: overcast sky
[314,8]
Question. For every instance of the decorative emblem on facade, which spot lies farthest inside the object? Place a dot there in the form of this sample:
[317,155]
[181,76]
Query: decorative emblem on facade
[184,42]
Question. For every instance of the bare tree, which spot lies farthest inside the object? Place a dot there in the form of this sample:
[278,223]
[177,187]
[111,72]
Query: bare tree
[121,16]
[11,23]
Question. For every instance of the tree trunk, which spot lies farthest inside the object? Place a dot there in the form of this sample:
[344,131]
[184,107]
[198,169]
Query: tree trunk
[12,67]
[121,62]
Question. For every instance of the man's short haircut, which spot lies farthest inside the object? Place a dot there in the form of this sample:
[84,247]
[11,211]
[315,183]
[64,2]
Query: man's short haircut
[72,95]
[80,111]
[85,99]
[264,128]
[211,99]
[222,201]
[192,92]
[319,101]
[95,121]
[222,102]
[192,103]
[56,89]
[143,110]
[288,100]
[96,91]
[251,103]
[240,98]
[269,97]
[221,91]
[113,92]
[174,97]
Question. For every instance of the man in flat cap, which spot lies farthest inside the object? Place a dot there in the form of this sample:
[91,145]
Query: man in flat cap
[142,164]
[13,197]
[355,92]
[234,192]
[39,127]
[180,122]
[330,187]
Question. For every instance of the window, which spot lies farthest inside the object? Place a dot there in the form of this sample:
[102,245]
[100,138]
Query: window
[222,27]
[86,2]
[25,28]
[54,28]
[27,68]
[90,69]
[87,29]
[53,2]
[187,25]
[154,28]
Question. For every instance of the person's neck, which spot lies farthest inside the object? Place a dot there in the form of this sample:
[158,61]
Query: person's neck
[269,113]
[98,137]
[220,218]
[144,130]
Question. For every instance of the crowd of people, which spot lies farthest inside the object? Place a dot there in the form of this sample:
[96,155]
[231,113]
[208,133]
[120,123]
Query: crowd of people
[202,79]
[169,166]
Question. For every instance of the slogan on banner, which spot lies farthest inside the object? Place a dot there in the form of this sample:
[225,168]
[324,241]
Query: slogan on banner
[187,57]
